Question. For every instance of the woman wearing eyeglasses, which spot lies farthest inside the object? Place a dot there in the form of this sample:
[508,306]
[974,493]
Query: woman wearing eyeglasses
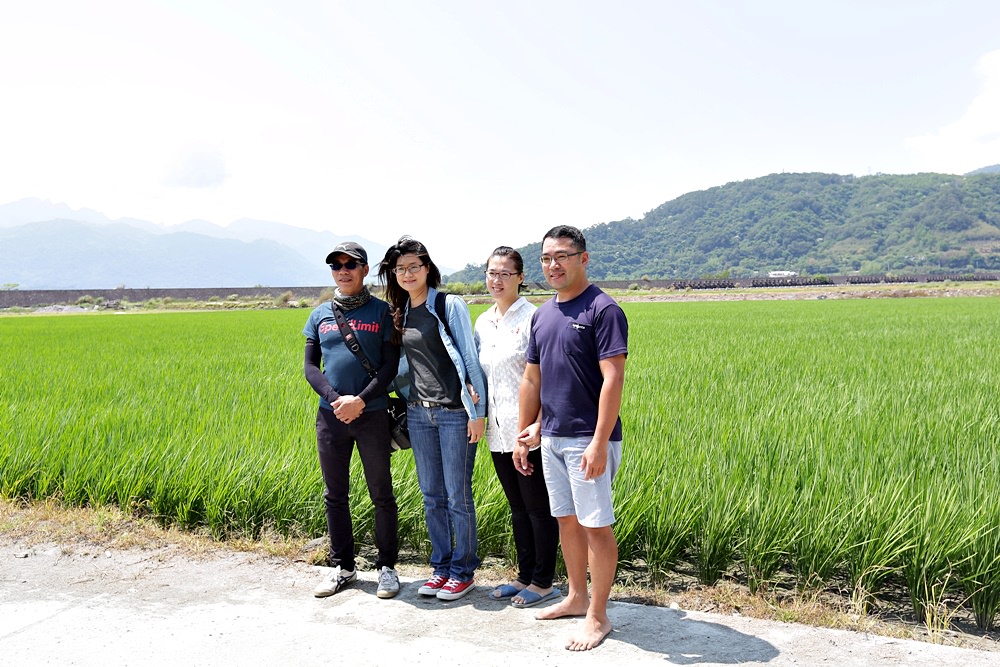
[502,336]
[446,409]
[352,410]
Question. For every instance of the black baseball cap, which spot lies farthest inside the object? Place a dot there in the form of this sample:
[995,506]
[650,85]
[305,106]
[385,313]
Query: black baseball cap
[349,248]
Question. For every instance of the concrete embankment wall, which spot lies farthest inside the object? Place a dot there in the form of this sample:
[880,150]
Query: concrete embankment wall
[34,298]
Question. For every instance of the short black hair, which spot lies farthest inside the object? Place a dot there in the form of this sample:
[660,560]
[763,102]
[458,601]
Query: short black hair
[567,232]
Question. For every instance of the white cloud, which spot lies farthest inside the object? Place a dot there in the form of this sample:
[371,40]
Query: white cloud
[972,141]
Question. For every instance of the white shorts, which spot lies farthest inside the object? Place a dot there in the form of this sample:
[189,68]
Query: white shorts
[571,494]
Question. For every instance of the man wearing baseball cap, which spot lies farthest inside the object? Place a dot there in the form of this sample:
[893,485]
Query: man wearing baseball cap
[352,412]
[352,250]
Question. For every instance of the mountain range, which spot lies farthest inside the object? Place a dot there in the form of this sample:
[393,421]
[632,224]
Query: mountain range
[809,223]
[812,224]
[47,245]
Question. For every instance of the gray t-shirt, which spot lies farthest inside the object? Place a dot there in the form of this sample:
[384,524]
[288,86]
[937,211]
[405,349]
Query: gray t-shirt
[432,373]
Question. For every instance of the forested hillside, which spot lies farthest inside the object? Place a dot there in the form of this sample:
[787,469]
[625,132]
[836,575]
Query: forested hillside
[814,224]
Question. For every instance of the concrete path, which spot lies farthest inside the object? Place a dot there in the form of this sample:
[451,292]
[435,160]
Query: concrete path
[162,607]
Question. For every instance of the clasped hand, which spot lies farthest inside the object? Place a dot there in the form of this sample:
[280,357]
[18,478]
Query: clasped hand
[348,408]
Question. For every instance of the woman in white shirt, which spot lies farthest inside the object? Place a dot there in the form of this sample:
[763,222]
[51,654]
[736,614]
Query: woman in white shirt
[502,337]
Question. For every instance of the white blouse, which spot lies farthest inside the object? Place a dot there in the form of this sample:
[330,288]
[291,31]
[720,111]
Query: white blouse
[503,342]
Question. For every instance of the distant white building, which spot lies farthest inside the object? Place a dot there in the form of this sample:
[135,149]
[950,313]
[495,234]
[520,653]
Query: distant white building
[781,274]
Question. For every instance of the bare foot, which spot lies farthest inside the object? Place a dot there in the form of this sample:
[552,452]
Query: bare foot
[575,606]
[590,635]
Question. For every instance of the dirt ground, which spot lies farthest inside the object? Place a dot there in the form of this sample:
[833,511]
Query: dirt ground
[79,604]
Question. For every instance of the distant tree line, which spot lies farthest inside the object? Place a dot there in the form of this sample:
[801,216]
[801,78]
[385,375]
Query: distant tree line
[813,224]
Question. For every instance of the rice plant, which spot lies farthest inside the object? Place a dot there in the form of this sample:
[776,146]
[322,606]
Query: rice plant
[844,440]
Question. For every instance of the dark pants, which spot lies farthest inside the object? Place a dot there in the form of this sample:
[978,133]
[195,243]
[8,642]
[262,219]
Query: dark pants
[335,443]
[536,531]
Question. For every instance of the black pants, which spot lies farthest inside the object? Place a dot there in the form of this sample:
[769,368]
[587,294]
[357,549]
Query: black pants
[335,442]
[536,531]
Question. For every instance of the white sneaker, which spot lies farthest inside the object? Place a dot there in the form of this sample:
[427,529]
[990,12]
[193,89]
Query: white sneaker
[335,582]
[388,583]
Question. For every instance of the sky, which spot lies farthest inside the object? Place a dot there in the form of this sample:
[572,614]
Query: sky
[469,124]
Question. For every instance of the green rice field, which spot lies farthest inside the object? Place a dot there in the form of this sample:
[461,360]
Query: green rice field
[847,444]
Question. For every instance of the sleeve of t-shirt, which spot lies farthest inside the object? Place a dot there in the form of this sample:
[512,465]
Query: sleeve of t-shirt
[611,331]
[309,331]
[531,355]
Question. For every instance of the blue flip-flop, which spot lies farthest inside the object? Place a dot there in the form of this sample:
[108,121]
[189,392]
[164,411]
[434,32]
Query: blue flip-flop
[504,591]
[531,598]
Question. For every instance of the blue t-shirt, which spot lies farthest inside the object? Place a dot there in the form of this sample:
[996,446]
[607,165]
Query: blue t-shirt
[568,340]
[372,324]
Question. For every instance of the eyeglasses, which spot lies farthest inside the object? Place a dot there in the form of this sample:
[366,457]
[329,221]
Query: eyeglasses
[502,275]
[412,269]
[350,265]
[558,257]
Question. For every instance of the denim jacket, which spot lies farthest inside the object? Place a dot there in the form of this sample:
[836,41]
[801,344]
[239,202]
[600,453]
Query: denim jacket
[462,348]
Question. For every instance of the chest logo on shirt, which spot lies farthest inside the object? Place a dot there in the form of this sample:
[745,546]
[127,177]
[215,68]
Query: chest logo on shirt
[578,326]
[373,327]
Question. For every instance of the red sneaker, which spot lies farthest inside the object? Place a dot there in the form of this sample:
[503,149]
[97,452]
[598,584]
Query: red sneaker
[433,585]
[454,589]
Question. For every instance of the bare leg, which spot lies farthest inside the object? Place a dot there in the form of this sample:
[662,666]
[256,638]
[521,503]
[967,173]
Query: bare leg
[603,557]
[573,538]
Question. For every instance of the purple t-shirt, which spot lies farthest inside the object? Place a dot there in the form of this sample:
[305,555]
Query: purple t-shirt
[568,340]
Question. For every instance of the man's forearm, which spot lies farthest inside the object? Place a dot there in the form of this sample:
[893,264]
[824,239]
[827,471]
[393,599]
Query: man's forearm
[610,401]
[529,401]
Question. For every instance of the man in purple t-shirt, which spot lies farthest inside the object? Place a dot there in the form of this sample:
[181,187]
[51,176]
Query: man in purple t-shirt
[574,378]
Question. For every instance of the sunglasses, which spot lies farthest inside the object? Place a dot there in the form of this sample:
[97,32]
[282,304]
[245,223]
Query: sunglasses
[350,265]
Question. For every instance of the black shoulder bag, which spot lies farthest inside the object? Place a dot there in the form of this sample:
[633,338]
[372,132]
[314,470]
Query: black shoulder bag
[397,407]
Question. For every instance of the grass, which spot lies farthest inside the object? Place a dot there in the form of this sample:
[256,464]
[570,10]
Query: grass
[843,444]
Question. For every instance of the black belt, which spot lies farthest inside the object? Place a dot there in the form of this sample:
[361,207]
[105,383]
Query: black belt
[432,404]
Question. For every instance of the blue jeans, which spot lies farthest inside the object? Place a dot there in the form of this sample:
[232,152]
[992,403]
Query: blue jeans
[444,460]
